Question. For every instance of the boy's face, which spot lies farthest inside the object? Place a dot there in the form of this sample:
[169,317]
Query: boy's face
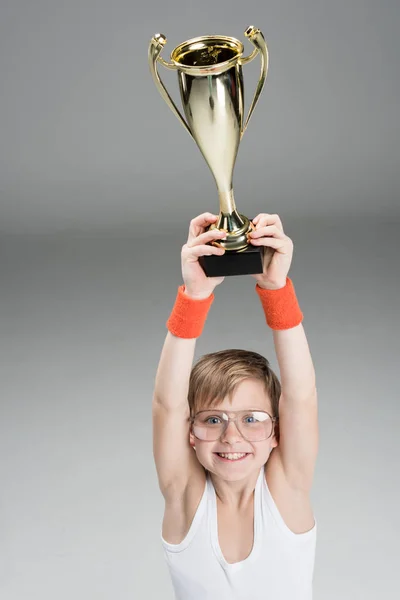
[249,394]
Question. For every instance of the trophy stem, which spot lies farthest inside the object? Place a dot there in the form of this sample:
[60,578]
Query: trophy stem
[237,226]
[227,202]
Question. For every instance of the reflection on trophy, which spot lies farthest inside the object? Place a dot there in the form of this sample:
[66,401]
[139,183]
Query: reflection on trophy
[211,86]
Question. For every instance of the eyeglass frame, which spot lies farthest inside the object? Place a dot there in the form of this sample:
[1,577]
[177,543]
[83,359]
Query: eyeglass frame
[234,420]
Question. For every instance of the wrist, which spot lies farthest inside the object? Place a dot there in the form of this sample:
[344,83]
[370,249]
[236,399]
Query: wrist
[272,287]
[280,306]
[188,315]
[193,295]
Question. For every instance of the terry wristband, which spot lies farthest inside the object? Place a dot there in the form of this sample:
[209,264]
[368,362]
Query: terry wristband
[188,315]
[281,308]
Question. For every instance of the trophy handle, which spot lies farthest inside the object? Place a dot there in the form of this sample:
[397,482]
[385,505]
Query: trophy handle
[157,43]
[256,37]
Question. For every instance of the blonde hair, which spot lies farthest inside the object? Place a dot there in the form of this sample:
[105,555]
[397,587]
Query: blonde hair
[215,377]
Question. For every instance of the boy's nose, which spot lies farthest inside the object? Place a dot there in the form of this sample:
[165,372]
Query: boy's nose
[231,433]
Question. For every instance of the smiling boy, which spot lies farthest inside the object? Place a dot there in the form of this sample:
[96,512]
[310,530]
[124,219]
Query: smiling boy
[234,447]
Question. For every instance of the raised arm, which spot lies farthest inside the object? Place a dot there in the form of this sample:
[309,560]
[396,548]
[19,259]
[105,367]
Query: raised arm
[172,377]
[298,413]
[298,410]
[174,458]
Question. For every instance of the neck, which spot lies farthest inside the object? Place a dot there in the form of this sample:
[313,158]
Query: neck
[235,494]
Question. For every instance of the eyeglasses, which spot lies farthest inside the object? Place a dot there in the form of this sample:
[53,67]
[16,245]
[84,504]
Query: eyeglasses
[253,425]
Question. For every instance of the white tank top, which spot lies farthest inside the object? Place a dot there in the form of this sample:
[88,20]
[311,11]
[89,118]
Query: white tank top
[279,567]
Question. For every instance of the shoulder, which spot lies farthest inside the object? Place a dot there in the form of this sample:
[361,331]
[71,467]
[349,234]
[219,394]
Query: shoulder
[293,504]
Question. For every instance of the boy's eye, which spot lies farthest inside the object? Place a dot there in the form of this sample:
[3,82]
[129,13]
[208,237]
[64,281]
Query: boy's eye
[212,420]
[250,417]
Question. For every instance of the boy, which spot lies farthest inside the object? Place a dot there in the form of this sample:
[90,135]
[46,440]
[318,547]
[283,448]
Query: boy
[234,449]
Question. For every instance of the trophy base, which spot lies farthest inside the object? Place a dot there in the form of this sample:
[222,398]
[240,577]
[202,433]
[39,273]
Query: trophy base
[244,262]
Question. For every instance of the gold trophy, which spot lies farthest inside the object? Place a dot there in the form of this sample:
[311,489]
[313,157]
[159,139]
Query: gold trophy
[211,86]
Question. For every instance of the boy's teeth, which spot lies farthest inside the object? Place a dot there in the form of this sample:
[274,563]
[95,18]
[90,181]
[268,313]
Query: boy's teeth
[234,456]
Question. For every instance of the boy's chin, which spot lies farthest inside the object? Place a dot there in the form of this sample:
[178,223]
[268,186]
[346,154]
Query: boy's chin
[232,476]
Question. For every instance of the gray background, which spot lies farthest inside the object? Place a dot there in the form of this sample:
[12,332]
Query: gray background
[98,182]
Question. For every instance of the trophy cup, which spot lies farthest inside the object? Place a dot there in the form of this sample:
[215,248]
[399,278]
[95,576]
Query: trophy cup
[211,87]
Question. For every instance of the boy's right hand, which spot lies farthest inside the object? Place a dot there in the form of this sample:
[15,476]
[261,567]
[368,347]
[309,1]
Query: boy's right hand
[197,284]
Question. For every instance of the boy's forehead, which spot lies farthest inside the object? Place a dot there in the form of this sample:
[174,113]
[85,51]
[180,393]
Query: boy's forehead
[246,395]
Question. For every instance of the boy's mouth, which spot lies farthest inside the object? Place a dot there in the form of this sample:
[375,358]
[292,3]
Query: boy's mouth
[232,456]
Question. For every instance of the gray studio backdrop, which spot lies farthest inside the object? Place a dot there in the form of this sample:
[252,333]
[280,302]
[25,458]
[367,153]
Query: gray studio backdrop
[98,182]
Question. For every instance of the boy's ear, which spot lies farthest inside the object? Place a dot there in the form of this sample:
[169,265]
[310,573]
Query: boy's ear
[192,440]
[276,432]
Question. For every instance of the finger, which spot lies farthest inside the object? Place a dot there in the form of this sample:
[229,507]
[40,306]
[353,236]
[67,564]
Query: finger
[193,253]
[266,219]
[271,218]
[257,218]
[199,223]
[267,230]
[279,244]
[208,236]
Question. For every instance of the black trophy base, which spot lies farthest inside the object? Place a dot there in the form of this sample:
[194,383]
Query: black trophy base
[246,262]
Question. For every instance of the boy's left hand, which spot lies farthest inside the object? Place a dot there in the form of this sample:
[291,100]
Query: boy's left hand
[278,251]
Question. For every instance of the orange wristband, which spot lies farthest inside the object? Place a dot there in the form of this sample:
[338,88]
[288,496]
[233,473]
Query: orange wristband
[188,315]
[281,308]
